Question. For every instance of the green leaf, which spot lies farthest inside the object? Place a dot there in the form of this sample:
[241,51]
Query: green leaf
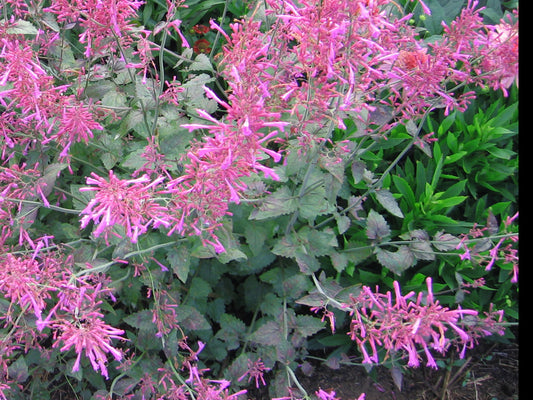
[447,203]
[343,223]
[141,320]
[146,91]
[319,243]
[420,246]
[339,261]
[255,236]
[18,370]
[114,99]
[20,27]
[387,200]
[397,261]
[231,254]
[268,334]
[376,226]
[307,263]
[357,252]
[199,288]
[190,318]
[314,203]
[195,96]
[201,63]
[455,190]
[289,246]
[180,261]
[231,331]
[280,202]
[98,89]
[405,190]
[307,325]
[358,168]
[441,11]
[134,160]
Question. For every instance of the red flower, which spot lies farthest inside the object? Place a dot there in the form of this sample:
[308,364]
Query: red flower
[200,29]
[201,46]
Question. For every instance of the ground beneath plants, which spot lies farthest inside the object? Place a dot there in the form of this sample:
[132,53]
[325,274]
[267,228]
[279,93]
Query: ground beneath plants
[490,372]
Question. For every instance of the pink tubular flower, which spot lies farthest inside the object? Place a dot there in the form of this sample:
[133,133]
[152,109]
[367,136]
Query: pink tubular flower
[500,54]
[76,125]
[256,369]
[101,21]
[326,314]
[411,325]
[128,203]
[91,336]
[28,282]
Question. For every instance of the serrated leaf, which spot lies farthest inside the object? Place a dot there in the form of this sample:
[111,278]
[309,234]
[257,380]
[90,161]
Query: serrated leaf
[445,241]
[114,99]
[376,226]
[180,262]
[397,376]
[199,288]
[397,261]
[307,325]
[319,243]
[98,89]
[339,261]
[195,96]
[255,237]
[343,223]
[422,250]
[358,169]
[295,285]
[420,246]
[271,305]
[145,91]
[190,318]
[20,27]
[387,200]
[314,203]
[231,254]
[134,160]
[231,331]
[307,263]
[201,63]
[141,320]
[18,370]
[280,202]
[268,334]
[288,246]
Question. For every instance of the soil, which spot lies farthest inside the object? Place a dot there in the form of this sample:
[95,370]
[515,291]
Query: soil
[488,372]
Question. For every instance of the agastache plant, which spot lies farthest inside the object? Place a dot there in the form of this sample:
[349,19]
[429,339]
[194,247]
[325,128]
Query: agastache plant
[302,81]
[405,325]
[292,78]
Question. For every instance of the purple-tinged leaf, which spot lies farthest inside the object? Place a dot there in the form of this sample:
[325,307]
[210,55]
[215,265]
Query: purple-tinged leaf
[376,226]
[387,200]
[397,261]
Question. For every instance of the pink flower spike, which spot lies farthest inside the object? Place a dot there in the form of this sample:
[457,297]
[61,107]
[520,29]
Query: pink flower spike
[425,8]
[212,95]
[255,371]
[323,395]
[176,25]
[429,284]
[213,25]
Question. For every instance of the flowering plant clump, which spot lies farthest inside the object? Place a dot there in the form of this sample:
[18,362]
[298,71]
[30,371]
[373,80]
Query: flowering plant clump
[377,321]
[243,196]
